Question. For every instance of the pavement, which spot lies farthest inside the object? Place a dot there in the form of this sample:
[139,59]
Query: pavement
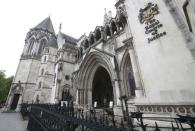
[12,122]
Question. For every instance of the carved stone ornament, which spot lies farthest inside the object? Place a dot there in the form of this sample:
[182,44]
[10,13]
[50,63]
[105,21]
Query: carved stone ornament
[146,14]
[167,109]
[17,88]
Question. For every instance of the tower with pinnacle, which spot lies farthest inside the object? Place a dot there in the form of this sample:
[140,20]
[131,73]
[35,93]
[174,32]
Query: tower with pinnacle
[35,72]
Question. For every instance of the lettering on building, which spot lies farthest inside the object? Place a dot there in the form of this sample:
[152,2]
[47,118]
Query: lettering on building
[146,16]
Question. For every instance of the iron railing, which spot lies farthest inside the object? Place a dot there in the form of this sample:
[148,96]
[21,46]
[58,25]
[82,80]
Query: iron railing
[54,117]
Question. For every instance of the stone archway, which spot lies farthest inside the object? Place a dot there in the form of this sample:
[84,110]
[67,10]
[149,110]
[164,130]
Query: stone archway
[15,96]
[15,100]
[88,68]
[102,90]
[127,75]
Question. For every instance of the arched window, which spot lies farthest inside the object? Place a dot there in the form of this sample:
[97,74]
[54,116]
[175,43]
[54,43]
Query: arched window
[42,45]
[86,44]
[81,52]
[108,33]
[42,71]
[45,59]
[92,39]
[131,80]
[98,34]
[122,21]
[31,44]
[128,76]
[40,84]
[67,77]
[66,95]
[114,28]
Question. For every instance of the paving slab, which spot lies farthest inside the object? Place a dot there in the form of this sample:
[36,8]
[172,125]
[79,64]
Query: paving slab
[12,122]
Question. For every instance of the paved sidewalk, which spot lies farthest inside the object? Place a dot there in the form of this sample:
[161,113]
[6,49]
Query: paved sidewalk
[12,122]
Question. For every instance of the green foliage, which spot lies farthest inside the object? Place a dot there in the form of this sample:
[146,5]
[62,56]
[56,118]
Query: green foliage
[5,84]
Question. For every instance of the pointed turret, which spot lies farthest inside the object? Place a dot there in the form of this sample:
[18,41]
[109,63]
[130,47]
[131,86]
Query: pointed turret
[107,17]
[46,24]
[65,39]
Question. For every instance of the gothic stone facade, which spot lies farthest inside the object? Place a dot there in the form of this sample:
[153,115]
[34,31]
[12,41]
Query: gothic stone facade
[145,53]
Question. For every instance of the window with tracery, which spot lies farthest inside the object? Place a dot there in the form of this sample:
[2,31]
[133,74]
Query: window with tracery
[42,45]
[31,44]
[131,80]
[128,76]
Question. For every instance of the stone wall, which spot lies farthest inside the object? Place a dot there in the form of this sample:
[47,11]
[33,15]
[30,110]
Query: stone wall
[166,63]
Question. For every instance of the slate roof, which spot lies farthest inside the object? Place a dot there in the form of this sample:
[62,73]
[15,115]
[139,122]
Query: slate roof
[52,43]
[46,24]
[70,39]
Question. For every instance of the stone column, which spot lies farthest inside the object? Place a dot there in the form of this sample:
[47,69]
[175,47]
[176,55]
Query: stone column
[77,97]
[56,98]
[139,90]
[89,97]
[82,97]
[118,102]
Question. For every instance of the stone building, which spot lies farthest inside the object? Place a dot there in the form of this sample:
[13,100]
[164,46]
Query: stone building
[145,54]
[34,77]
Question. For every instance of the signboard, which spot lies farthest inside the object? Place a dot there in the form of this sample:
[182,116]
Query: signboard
[147,17]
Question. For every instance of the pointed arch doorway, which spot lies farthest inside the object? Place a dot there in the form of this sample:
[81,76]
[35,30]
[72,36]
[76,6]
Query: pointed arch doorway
[102,89]
[96,67]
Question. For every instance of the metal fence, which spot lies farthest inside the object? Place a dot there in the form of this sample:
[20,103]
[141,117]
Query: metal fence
[54,117]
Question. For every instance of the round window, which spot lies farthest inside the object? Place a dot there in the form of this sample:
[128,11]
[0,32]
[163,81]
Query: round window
[67,77]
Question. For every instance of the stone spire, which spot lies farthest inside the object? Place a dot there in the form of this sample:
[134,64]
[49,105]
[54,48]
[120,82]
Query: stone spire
[60,27]
[107,16]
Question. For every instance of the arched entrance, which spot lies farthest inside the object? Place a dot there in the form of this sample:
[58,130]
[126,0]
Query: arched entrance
[15,101]
[95,64]
[102,90]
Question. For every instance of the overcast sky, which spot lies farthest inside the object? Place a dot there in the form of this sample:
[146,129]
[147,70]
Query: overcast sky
[18,16]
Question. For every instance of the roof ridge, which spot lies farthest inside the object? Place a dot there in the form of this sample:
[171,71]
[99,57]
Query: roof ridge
[69,38]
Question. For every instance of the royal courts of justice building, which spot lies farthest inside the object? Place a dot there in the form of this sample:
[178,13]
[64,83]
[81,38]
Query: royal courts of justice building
[145,54]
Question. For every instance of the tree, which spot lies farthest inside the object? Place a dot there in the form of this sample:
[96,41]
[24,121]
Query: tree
[5,84]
